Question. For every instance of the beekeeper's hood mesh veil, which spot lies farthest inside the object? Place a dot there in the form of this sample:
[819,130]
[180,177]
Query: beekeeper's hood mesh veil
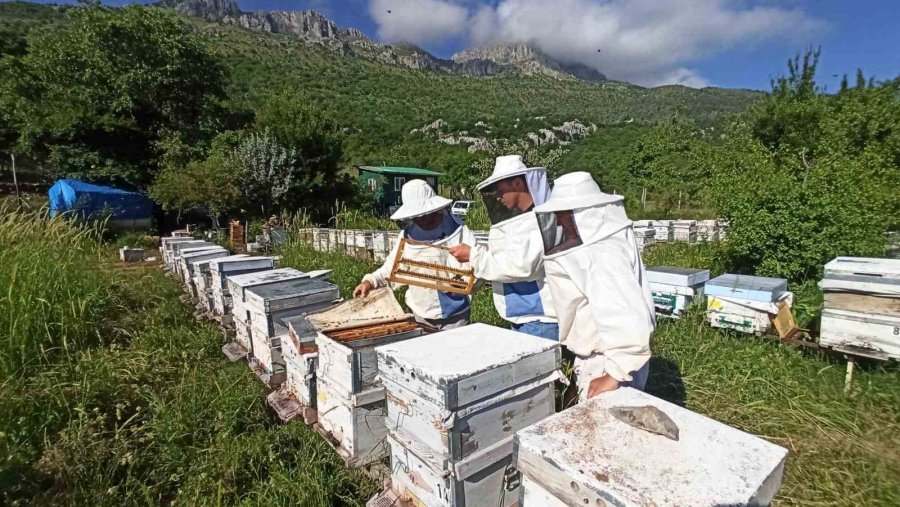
[578,213]
[509,166]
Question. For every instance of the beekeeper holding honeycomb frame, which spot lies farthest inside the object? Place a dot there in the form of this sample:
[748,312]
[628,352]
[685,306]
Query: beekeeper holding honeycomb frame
[512,258]
[595,272]
[431,222]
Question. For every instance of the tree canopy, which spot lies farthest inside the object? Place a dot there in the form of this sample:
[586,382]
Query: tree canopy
[94,95]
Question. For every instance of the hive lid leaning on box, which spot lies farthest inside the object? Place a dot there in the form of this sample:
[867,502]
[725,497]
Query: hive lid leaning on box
[864,275]
[585,456]
[463,365]
[755,288]
[682,277]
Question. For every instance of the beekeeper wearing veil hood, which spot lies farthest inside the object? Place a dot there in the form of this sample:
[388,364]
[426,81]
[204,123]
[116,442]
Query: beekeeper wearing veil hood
[596,274]
[429,222]
[512,259]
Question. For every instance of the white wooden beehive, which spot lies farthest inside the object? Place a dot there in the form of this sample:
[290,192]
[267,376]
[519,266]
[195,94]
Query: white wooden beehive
[236,284]
[232,266]
[684,231]
[663,230]
[454,400]
[350,398]
[178,247]
[861,315]
[266,306]
[707,231]
[167,246]
[187,261]
[674,288]
[585,456]
[301,359]
[743,303]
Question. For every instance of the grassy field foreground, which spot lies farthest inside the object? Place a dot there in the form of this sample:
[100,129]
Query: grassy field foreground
[112,394]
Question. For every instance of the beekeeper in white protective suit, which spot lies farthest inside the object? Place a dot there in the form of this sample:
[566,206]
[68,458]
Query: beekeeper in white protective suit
[596,274]
[512,259]
[430,222]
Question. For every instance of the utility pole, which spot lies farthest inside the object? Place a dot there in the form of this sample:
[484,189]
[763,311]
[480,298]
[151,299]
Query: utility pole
[15,180]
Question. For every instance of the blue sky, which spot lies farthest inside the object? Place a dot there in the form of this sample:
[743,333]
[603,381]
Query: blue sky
[728,43]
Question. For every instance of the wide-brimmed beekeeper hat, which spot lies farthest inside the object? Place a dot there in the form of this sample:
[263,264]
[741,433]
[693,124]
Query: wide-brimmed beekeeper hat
[419,199]
[508,166]
[574,191]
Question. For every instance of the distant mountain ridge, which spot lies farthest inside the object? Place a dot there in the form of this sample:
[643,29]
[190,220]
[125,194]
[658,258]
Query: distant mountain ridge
[318,29]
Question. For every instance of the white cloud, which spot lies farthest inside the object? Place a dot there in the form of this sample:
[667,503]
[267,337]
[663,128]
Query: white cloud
[647,42]
[418,21]
[679,76]
[642,41]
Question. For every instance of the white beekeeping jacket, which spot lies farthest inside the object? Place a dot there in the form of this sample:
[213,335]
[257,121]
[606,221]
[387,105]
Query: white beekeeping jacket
[596,275]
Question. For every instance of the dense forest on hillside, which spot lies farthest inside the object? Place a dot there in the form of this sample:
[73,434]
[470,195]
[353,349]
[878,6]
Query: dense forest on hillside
[377,105]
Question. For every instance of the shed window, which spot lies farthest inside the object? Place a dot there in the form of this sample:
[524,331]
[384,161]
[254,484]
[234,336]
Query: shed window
[398,182]
[373,184]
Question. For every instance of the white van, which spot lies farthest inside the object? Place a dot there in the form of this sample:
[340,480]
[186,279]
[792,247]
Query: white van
[461,207]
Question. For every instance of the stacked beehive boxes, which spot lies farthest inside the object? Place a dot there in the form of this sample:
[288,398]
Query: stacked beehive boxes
[237,285]
[167,247]
[203,278]
[231,266]
[673,288]
[663,230]
[861,315]
[585,455]
[707,231]
[745,303]
[297,395]
[263,310]
[684,231]
[350,398]
[186,265]
[179,249]
[455,400]
[722,228]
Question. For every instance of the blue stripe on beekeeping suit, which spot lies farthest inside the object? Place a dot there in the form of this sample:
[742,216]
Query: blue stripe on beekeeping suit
[451,303]
[522,299]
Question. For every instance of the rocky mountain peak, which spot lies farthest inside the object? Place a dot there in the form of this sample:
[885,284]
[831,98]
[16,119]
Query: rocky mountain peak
[211,10]
[527,59]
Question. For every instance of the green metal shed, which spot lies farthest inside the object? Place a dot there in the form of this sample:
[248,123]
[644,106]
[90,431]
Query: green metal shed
[386,182]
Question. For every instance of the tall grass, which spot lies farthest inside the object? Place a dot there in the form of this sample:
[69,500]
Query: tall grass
[121,397]
[54,296]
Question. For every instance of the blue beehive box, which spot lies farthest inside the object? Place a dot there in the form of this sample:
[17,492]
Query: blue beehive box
[754,288]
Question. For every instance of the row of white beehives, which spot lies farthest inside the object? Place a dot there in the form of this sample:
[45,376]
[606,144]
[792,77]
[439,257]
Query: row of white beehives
[446,406]
[682,231]
[861,314]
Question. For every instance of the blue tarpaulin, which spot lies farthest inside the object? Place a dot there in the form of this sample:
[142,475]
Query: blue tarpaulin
[95,201]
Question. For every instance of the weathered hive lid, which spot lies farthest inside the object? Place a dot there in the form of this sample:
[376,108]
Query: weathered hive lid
[683,277]
[290,289]
[865,275]
[585,456]
[466,364]
[755,288]
[192,253]
[264,277]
